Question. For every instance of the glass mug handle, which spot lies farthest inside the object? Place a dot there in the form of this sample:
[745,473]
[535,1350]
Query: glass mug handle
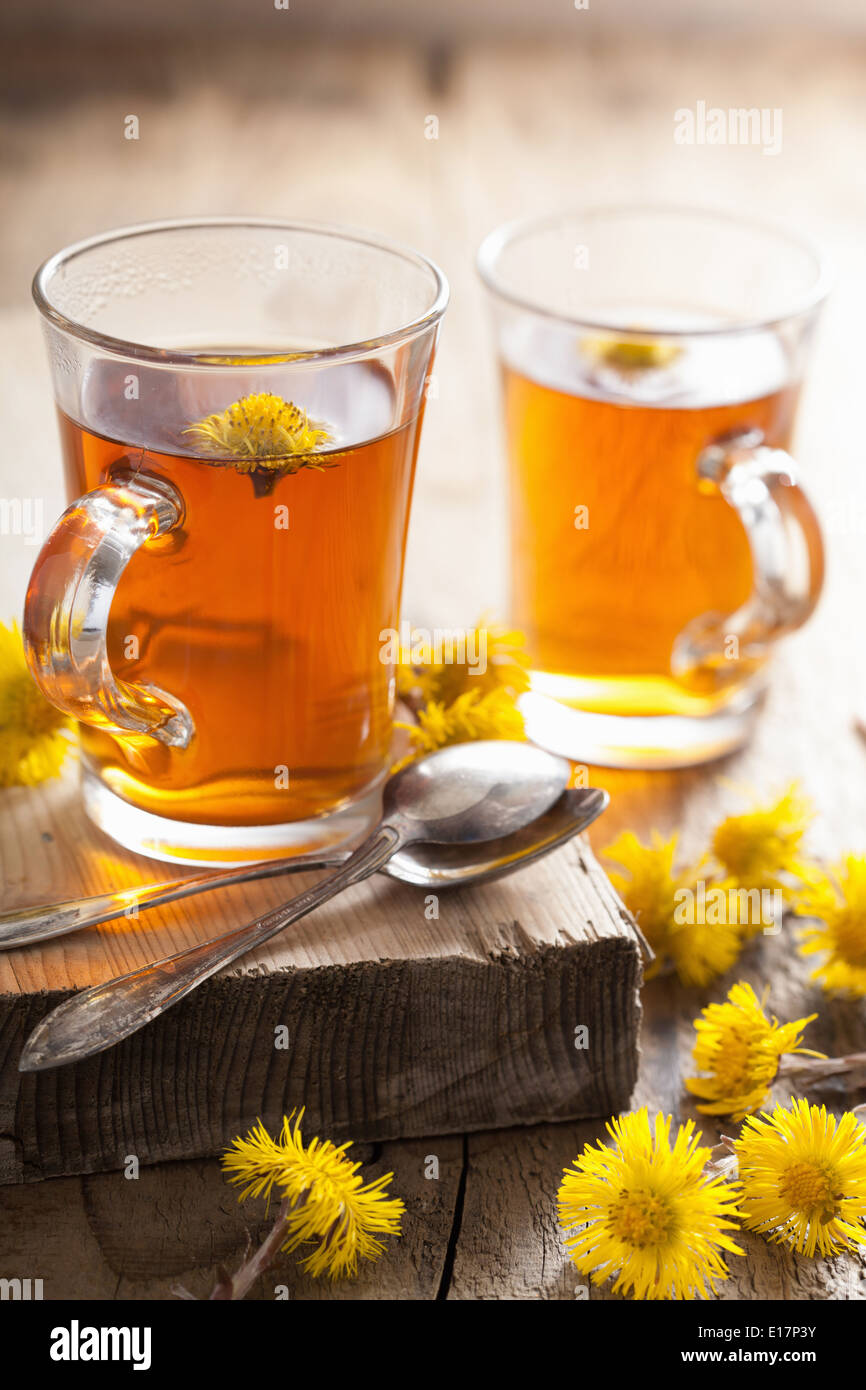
[69,598]
[784,536]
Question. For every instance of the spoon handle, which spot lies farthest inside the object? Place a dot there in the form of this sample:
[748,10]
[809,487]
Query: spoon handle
[25,926]
[100,1016]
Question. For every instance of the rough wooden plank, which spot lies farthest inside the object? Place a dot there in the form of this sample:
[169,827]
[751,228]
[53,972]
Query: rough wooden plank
[108,1237]
[399,1023]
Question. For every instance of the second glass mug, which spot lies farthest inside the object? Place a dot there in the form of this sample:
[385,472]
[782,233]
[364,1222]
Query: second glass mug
[240,404]
[660,542]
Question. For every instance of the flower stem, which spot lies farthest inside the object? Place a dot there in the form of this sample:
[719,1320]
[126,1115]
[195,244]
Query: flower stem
[722,1162]
[818,1068]
[238,1285]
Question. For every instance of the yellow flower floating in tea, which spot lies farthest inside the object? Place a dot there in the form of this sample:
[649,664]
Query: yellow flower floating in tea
[262,433]
[803,1178]
[739,1050]
[34,736]
[651,887]
[836,898]
[630,354]
[645,1213]
[329,1206]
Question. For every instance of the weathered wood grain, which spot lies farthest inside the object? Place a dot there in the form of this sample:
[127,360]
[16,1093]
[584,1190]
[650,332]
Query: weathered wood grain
[384,1014]
[108,1236]
[510,1246]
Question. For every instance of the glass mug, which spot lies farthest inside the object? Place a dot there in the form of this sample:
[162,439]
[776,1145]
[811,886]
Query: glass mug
[240,404]
[660,542]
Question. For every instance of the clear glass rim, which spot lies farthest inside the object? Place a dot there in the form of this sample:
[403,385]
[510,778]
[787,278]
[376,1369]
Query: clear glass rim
[509,232]
[147,352]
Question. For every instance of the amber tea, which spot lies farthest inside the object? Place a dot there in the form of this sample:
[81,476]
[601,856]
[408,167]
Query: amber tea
[614,547]
[262,613]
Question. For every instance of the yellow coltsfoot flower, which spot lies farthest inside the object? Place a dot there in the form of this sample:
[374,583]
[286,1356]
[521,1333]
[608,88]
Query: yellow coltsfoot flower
[653,891]
[329,1206]
[34,736]
[837,900]
[740,1049]
[444,666]
[631,354]
[261,431]
[702,951]
[761,848]
[648,883]
[471,716]
[462,685]
[803,1177]
[645,1212]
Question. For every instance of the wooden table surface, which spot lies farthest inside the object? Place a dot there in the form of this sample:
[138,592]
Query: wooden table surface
[338,133]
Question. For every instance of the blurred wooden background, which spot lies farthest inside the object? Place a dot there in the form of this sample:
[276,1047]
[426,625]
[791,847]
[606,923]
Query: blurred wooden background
[269,118]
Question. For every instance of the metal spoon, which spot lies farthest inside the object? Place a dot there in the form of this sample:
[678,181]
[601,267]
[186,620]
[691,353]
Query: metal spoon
[465,794]
[422,865]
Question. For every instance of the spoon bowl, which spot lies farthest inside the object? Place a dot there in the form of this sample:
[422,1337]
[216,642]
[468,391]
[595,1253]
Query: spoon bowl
[473,792]
[438,866]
